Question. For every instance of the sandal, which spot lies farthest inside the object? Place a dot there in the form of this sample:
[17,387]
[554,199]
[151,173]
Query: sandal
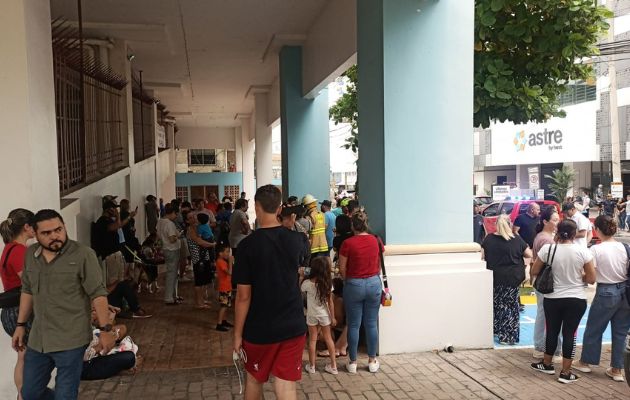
[613,376]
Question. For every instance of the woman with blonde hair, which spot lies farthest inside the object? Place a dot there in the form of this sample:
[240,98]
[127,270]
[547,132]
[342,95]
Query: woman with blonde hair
[504,253]
[15,231]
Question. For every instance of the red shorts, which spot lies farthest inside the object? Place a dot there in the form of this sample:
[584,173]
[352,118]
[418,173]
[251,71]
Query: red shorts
[282,360]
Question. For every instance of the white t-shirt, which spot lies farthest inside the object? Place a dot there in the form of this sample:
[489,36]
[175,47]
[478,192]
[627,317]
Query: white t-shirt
[165,229]
[314,308]
[582,224]
[567,267]
[611,262]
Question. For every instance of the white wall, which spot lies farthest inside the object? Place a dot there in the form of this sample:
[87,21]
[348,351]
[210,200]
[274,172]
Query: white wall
[331,45]
[205,138]
[28,140]
[419,321]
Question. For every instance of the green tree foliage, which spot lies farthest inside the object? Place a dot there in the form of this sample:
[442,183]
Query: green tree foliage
[561,182]
[346,109]
[527,51]
[525,54]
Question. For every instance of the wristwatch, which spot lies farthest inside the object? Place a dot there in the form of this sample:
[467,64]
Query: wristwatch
[105,328]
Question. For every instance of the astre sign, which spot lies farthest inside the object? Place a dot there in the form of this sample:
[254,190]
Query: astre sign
[552,139]
[557,140]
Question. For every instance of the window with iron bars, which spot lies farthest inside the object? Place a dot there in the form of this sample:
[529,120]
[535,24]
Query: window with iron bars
[202,157]
[88,111]
[143,121]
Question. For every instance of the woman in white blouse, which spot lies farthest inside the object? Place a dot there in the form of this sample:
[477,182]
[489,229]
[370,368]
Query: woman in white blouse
[610,303]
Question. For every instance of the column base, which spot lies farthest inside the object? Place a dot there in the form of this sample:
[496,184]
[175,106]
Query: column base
[438,300]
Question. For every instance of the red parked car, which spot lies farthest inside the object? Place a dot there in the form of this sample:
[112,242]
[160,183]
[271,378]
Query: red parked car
[513,208]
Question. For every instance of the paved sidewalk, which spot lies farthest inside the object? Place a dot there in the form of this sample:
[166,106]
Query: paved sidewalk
[473,374]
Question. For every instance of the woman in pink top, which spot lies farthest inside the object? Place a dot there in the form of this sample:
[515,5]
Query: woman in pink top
[546,229]
[15,231]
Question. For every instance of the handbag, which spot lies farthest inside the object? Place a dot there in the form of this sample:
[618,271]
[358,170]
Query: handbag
[10,298]
[386,295]
[544,281]
[628,281]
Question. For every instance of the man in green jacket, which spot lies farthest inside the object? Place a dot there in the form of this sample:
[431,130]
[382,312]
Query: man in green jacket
[62,282]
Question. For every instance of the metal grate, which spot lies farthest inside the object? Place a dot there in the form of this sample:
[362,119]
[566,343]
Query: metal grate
[143,122]
[233,191]
[181,192]
[90,138]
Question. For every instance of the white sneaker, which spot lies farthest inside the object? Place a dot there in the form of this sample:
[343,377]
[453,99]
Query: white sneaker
[557,359]
[329,368]
[374,366]
[352,367]
[310,369]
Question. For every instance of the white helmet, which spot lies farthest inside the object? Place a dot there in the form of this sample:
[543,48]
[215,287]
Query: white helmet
[308,199]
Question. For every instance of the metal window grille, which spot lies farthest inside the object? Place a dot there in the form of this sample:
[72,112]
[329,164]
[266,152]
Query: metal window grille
[233,191]
[202,157]
[90,138]
[143,122]
[181,192]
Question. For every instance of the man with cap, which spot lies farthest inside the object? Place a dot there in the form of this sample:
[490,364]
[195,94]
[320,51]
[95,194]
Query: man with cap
[317,233]
[584,227]
[330,222]
[108,247]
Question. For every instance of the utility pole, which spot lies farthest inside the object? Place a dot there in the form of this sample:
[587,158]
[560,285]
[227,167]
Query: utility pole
[614,117]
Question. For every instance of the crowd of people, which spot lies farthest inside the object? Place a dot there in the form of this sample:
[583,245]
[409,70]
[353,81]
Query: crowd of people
[302,267]
[561,244]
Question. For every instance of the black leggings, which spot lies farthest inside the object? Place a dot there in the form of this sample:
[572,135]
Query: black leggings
[564,314]
[104,367]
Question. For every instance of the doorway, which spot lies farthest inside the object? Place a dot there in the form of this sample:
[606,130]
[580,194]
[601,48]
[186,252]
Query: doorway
[202,192]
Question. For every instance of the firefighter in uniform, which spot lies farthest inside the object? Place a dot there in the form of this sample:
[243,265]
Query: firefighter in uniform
[317,234]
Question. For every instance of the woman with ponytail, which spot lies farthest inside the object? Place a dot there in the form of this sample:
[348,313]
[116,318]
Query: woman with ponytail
[15,231]
[504,253]
[609,304]
[572,266]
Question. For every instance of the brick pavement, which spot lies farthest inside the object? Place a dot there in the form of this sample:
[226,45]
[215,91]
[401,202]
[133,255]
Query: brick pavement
[185,358]
[472,374]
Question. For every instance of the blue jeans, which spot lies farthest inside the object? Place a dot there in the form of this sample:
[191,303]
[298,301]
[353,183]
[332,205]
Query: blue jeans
[609,304]
[362,300]
[539,327]
[171,259]
[38,367]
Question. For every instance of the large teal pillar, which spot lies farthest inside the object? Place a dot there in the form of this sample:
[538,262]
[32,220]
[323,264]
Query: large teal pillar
[304,124]
[415,61]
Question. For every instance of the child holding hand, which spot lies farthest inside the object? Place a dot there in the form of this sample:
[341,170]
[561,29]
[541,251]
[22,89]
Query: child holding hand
[320,312]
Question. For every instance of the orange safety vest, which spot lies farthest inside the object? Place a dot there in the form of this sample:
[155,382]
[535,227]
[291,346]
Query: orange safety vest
[317,234]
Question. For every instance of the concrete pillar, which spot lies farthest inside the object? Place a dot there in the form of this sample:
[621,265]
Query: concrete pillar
[416,117]
[305,134]
[264,170]
[416,166]
[249,182]
[28,143]
[238,144]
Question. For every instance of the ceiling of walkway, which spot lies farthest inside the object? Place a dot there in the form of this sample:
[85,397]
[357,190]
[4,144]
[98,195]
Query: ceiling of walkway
[198,56]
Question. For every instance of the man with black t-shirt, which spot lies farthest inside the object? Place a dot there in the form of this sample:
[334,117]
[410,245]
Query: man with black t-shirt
[525,224]
[269,321]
